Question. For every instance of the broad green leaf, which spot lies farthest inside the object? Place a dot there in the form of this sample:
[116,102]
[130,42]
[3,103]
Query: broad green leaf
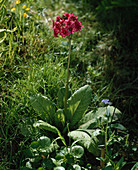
[28,153]
[48,149]
[41,168]
[120,163]
[77,104]
[44,106]
[83,138]
[26,129]
[109,167]
[90,119]
[44,142]
[77,151]
[87,139]
[93,148]
[44,125]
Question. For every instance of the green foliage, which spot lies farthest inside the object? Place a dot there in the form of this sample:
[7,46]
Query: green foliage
[90,120]
[40,151]
[46,154]
[61,97]
[87,138]
[44,125]
[77,151]
[3,11]
[43,106]
[77,104]
[91,139]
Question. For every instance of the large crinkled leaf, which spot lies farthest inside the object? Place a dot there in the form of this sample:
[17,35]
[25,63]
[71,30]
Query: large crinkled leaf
[87,139]
[77,104]
[83,138]
[44,106]
[90,119]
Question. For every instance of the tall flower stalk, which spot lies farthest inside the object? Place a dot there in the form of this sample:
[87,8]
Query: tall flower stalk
[66,90]
[66,26]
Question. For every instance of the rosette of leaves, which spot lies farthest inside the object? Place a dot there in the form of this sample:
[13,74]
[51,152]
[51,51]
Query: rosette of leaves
[52,114]
[83,126]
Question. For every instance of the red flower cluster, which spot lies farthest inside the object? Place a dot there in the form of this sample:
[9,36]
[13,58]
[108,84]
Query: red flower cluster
[66,25]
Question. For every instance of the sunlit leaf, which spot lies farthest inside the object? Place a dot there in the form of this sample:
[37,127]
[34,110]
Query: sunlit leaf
[44,125]
[90,119]
[88,139]
[77,104]
[44,106]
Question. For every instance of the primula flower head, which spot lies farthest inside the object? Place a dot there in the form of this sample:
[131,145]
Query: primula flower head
[73,17]
[66,25]
[64,32]
[58,18]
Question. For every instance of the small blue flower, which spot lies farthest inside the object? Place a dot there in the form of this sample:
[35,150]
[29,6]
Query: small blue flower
[106,101]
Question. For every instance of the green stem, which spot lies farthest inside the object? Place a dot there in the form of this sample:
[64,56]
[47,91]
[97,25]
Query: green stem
[66,90]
